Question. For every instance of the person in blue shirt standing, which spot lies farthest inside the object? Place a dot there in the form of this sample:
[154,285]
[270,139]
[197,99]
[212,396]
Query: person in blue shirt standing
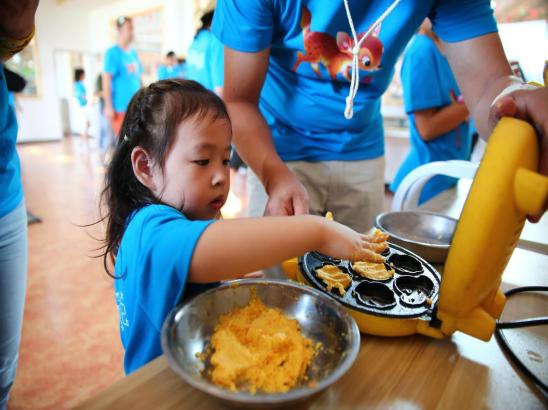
[438,119]
[83,103]
[303,84]
[121,74]
[17,28]
[204,62]
[171,69]
[164,190]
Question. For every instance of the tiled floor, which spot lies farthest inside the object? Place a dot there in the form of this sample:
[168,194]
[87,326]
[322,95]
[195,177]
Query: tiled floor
[70,346]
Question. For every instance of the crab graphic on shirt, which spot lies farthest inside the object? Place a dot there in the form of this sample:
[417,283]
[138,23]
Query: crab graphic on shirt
[335,54]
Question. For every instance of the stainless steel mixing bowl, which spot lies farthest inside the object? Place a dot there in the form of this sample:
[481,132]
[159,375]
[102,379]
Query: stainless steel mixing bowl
[427,234]
[187,332]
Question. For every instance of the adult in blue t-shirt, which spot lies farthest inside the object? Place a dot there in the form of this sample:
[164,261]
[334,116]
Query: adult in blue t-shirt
[121,74]
[204,62]
[17,31]
[13,244]
[171,69]
[153,259]
[438,118]
[288,66]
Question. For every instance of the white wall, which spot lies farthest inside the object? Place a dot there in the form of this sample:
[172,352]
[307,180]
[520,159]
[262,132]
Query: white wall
[64,27]
[526,42]
[178,25]
[84,25]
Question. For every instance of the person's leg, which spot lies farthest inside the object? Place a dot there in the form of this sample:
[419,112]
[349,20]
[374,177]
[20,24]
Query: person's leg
[13,279]
[356,192]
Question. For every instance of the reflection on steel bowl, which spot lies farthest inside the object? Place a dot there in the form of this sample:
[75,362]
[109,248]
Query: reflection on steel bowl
[427,234]
[187,333]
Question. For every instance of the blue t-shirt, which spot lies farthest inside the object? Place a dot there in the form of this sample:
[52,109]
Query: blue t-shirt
[11,189]
[152,266]
[126,69]
[11,99]
[424,64]
[170,71]
[305,109]
[80,93]
[205,60]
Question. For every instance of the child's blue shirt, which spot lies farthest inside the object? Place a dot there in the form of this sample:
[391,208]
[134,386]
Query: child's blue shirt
[428,82]
[80,93]
[151,268]
[166,72]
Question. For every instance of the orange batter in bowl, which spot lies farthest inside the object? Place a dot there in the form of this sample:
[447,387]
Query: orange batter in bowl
[258,348]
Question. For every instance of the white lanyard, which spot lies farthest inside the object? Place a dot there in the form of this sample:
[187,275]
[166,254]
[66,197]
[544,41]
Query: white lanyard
[355,82]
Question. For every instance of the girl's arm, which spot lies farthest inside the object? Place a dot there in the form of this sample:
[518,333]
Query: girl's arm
[434,122]
[231,248]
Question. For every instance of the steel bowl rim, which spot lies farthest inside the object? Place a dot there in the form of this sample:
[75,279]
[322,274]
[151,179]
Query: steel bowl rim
[431,245]
[278,398]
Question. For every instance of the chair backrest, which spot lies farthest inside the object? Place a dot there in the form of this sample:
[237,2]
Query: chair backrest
[408,193]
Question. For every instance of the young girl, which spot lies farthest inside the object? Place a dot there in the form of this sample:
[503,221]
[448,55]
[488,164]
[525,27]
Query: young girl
[165,186]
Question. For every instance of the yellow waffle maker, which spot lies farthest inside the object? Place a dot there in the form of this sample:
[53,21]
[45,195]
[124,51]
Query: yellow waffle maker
[505,189]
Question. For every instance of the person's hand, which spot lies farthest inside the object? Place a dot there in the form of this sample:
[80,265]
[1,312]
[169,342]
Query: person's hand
[530,105]
[286,195]
[341,242]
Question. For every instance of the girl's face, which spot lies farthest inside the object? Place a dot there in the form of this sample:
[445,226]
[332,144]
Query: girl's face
[196,174]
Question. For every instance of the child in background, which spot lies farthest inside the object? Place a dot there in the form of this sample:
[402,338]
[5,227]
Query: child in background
[171,69]
[438,118]
[165,186]
[83,104]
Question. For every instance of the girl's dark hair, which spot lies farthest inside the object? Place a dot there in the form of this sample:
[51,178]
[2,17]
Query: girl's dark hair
[151,121]
[78,73]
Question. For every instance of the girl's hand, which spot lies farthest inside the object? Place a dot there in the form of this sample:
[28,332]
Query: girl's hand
[341,242]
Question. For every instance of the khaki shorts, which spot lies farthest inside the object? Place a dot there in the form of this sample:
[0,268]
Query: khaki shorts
[352,190]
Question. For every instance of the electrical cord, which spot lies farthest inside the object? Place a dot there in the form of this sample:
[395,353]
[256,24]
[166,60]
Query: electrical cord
[503,342]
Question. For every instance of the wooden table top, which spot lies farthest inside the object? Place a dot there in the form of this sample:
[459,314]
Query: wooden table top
[413,372]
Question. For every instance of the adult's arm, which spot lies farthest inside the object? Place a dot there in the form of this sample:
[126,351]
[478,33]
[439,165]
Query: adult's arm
[482,71]
[244,78]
